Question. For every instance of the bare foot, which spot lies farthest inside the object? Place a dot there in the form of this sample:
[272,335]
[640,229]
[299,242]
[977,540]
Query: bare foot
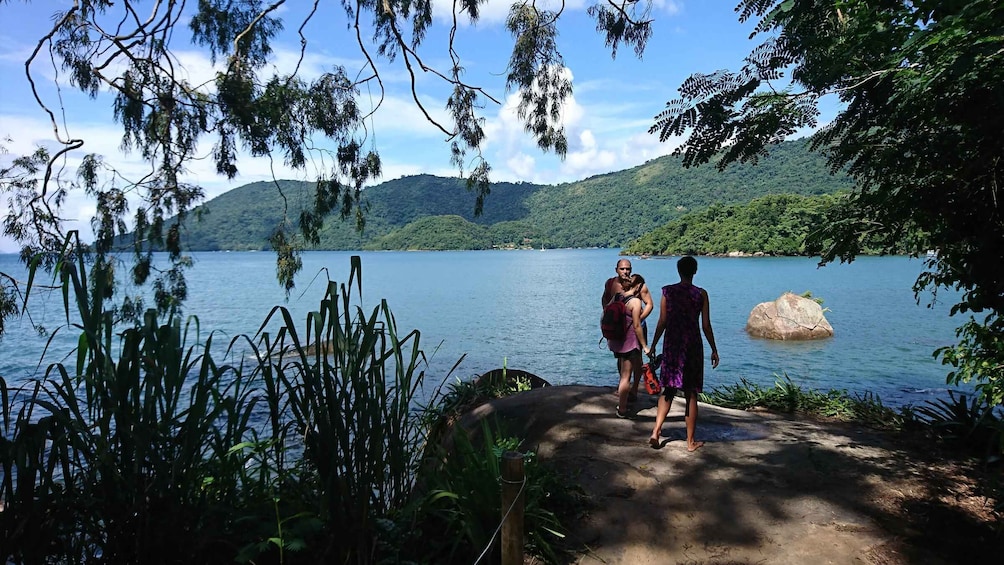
[692,447]
[654,443]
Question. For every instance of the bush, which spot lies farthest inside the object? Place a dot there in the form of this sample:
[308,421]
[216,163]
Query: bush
[461,508]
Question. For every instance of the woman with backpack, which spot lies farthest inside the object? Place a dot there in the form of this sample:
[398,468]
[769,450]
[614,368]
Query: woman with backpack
[613,287]
[628,344]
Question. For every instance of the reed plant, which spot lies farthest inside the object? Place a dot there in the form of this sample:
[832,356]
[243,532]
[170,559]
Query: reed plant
[345,388]
[146,450]
[120,456]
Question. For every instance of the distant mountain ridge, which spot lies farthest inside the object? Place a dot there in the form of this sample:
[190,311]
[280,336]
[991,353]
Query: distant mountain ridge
[430,212]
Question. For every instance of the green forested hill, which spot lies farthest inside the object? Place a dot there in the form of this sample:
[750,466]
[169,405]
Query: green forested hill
[428,212]
[394,204]
[777,224]
[243,218]
[435,233]
[610,210]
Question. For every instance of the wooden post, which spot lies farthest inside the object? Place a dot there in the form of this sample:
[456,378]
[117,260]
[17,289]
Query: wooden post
[512,508]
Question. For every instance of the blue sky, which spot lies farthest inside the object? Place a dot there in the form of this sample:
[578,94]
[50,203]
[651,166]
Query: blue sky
[607,119]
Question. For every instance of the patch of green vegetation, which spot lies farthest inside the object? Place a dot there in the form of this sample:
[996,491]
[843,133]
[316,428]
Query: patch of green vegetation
[808,294]
[971,423]
[787,397]
[459,512]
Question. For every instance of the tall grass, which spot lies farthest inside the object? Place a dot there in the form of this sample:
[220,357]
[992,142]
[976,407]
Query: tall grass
[107,460]
[149,451]
[346,389]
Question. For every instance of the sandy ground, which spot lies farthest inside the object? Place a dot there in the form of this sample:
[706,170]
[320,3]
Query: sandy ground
[764,489]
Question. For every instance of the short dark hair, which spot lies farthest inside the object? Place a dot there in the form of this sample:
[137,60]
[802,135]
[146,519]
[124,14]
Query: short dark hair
[686,266]
[635,280]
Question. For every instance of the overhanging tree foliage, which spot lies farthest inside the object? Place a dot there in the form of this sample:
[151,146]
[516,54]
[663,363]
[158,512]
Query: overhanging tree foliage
[131,49]
[922,90]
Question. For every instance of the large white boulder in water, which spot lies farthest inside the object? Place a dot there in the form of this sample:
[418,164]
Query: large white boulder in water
[790,317]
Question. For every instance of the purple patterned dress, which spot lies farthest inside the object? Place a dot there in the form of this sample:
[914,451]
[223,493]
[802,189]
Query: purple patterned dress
[682,348]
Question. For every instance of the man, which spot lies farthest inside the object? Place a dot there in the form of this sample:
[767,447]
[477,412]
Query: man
[684,312]
[614,286]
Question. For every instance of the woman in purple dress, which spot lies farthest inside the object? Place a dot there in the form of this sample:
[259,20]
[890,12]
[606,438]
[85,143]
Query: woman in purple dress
[683,313]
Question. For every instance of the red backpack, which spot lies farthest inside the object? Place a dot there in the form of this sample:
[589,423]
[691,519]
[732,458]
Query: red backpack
[612,322]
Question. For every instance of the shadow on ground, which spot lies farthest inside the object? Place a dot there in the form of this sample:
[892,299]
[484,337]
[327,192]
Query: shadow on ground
[764,489]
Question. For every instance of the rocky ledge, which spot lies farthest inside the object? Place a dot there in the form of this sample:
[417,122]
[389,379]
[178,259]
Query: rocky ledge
[764,488]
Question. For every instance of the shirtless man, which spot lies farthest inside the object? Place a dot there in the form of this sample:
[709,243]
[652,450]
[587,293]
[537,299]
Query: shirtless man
[611,289]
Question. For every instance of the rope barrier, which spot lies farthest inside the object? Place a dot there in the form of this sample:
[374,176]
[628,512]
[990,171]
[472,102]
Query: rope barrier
[491,541]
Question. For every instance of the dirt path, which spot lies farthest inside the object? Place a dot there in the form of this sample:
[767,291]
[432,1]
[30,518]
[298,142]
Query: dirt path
[764,489]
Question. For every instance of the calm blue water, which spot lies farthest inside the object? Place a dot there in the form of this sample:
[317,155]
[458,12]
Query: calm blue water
[539,311]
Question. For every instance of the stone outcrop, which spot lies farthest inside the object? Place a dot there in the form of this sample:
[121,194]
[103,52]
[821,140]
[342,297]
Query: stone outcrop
[790,317]
[766,488]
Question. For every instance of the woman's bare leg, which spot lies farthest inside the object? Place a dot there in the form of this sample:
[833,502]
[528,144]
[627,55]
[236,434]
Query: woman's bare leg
[623,388]
[633,395]
[691,417]
[636,378]
[660,417]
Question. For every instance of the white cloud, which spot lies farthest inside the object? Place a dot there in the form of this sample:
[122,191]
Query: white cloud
[668,6]
[522,165]
[489,12]
[588,156]
[603,136]
[196,68]
[399,116]
[496,11]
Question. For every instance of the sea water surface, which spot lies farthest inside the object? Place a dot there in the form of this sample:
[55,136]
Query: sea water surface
[539,311]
